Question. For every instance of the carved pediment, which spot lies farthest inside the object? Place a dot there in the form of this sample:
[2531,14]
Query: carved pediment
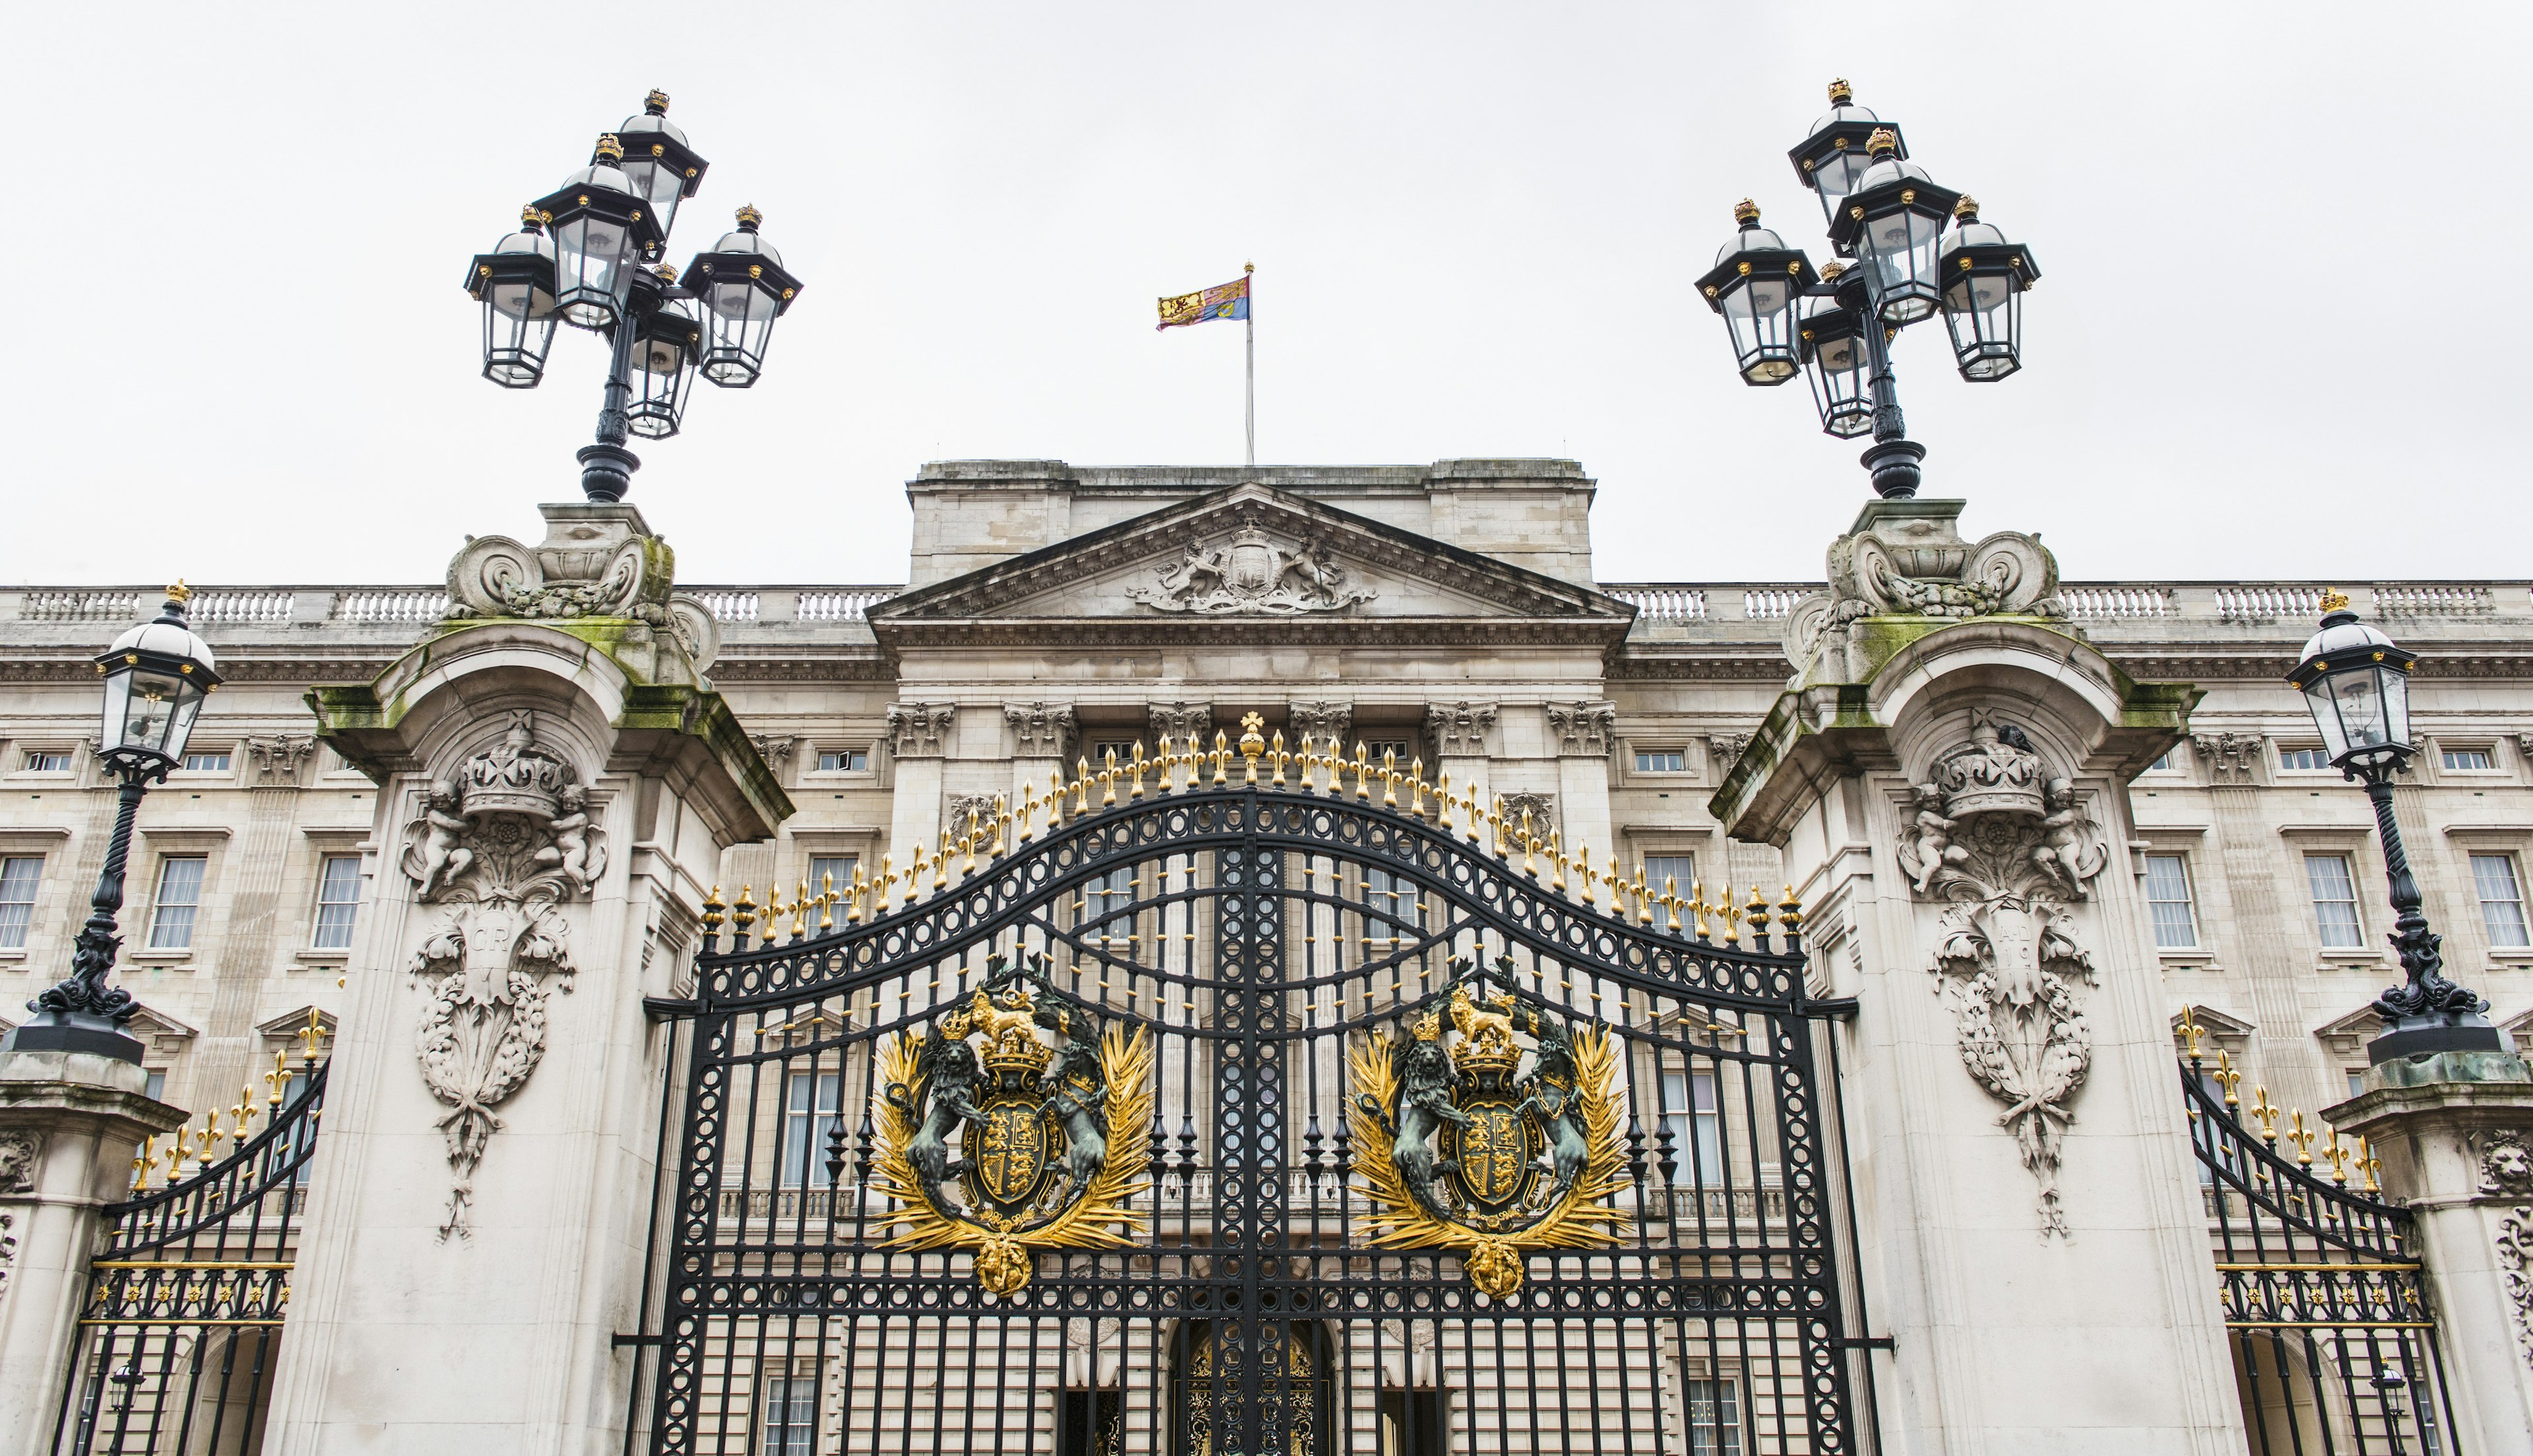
[1247,560]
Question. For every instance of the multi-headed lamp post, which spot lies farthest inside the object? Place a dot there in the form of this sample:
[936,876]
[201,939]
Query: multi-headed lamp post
[157,677]
[1896,266]
[2357,682]
[582,256]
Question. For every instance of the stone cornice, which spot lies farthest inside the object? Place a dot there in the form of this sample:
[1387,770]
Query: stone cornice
[1325,631]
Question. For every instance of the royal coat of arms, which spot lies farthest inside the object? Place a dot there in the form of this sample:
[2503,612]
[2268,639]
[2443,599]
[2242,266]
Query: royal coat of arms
[1252,573]
[1001,1140]
[1490,1125]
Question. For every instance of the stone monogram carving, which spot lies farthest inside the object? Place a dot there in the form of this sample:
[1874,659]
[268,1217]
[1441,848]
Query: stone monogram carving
[505,844]
[969,812]
[1252,574]
[2007,848]
[277,757]
[919,729]
[1541,807]
[1038,730]
[2507,1174]
[1460,728]
[1583,729]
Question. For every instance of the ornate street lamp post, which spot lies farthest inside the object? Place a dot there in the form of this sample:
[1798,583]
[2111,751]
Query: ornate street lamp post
[2357,682]
[1887,223]
[157,677]
[583,256]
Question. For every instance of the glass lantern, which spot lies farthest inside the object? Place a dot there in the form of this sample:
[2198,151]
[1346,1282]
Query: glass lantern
[667,344]
[1831,161]
[744,288]
[1985,280]
[157,677]
[1756,285]
[516,283]
[662,168]
[602,230]
[1893,223]
[1839,359]
[2357,683]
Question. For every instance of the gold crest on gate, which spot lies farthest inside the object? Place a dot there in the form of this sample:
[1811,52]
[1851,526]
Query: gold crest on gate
[1049,1137]
[1476,1143]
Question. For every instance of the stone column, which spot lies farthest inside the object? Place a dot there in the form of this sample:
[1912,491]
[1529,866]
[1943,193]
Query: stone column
[2454,1134]
[1583,733]
[555,792]
[1947,780]
[69,1124]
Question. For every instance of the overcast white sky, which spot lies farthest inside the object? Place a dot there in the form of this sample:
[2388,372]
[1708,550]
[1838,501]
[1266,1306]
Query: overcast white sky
[2264,345]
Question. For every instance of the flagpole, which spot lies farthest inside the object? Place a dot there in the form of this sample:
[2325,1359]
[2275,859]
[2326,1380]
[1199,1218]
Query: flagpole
[1246,270]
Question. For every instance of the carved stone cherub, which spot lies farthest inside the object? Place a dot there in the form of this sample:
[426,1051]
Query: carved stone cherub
[570,850]
[2059,855]
[443,857]
[1934,849]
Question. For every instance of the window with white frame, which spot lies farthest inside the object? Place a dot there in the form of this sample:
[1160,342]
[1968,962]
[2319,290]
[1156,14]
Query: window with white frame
[832,872]
[790,1407]
[1714,1418]
[1392,909]
[2303,758]
[1099,749]
[810,1116]
[844,760]
[1375,748]
[207,761]
[1676,871]
[2168,899]
[2468,760]
[19,876]
[1107,907]
[48,760]
[2501,899]
[2334,900]
[339,900]
[1662,760]
[178,901]
[1696,1126]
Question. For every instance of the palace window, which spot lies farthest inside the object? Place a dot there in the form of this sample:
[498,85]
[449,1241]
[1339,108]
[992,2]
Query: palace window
[2303,758]
[2469,759]
[19,876]
[844,760]
[49,760]
[1714,1418]
[2167,896]
[1107,907]
[1411,1423]
[1696,1126]
[339,900]
[841,866]
[1679,871]
[2334,900]
[791,1406]
[2501,899]
[809,1116]
[209,761]
[1662,761]
[179,897]
[1391,907]
[1374,748]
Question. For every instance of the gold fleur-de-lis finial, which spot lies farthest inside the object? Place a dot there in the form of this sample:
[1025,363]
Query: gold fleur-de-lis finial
[2190,1034]
[2267,1112]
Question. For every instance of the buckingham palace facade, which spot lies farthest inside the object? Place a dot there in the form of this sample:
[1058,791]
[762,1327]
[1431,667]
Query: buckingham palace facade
[1411,631]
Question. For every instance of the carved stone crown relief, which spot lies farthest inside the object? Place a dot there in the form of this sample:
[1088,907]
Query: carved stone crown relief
[506,843]
[1038,730]
[2007,849]
[1252,573]
[1461,728]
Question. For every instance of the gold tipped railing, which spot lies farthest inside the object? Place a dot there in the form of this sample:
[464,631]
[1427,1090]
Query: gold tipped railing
[1316,765]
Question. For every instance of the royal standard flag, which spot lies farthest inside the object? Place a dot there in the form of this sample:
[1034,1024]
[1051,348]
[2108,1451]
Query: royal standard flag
[1229,301]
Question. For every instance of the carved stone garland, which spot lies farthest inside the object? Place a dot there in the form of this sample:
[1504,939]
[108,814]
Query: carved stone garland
[505,844]
[2007,849]
[2507,1173]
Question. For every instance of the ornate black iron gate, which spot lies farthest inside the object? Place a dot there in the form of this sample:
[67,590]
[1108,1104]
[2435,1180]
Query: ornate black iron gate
[1210,1109]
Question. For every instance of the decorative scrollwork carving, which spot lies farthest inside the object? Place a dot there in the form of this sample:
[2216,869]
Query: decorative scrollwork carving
[1252,574]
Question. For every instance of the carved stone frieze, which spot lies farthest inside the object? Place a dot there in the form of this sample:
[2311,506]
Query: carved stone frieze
[1178,722]
[507,845]
[1461,727]
[1583,729]
[1252,573]
[2229,758]
[1320,722]
[2007,849]
[1039,730]
[279,758]
[920,729]
[2507,1175]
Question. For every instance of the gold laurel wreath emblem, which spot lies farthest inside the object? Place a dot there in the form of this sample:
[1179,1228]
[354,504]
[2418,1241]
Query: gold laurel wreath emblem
[1005,1255]
[1495,1261]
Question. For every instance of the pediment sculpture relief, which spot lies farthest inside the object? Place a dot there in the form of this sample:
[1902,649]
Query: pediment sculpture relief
[2007,849]
[506,843]
[1252,573]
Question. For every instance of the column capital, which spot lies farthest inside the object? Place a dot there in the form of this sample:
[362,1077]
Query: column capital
[1040,730]
[920,729]
[1583,729]
[1460,729]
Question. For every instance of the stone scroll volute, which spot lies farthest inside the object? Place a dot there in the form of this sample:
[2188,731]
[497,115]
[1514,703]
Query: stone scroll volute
[507,847]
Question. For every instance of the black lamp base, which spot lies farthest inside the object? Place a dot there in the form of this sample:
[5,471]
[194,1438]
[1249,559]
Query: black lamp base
[1894,466]
[74,1031]
[606,471]
[2441,1031]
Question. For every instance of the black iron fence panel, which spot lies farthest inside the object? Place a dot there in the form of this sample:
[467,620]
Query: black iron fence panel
[178,1337]
[1230,1118]
[2327,1308]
